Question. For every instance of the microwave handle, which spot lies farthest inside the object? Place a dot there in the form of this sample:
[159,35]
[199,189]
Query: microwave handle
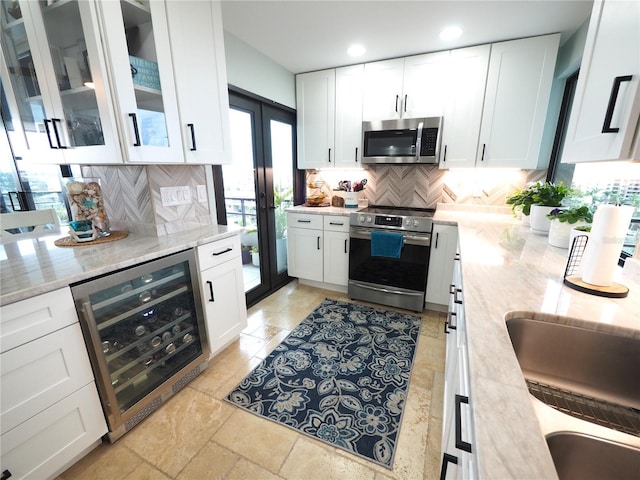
[419,141]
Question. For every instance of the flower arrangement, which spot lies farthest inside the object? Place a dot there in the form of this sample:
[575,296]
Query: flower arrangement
[572,215]
[521,199]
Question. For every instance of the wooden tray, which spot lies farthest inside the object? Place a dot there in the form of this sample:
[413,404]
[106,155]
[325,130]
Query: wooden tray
[70,242]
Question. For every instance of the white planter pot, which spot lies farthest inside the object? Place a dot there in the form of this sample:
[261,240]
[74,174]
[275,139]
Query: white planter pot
[255,259]
[560,233]
[526,220]
[574,233]
[538,218]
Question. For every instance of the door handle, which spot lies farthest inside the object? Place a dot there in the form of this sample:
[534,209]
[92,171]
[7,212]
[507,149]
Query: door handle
[345,245]
[215,254]
[405,104]
[329,155]
[56,133]
[136,132]
[446,460]
[48,130]
[211,298]
[461,444]
[193,136]
[318,243]
[437,234]
[444,157]
[613,99]
[448,323]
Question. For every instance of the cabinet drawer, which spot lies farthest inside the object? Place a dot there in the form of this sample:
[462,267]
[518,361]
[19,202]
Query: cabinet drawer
[35,317]
[218,252]
[336,223]
[46,444]
[41,373]
[302,220]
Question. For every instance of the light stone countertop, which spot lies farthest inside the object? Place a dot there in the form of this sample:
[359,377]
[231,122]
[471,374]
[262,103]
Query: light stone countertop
[507,268]
[345,212]
[34,266]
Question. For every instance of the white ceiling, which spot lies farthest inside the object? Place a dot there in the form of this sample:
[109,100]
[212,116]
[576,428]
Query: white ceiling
[314,34]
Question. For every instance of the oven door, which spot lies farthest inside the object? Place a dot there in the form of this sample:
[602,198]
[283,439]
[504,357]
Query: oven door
[399,282]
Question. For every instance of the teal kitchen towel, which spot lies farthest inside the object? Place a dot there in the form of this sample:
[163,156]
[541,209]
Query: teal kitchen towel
[386,244]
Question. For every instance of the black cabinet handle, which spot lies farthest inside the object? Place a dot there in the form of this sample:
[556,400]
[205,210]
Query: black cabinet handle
[444,158]
[211,299]
[446,460]
[345,245]
[483,147]
[437,234]
[215,254]
[461,444]
[455,296]
[456,257]
[452,289]
[55,131]
[613,99]
[5,474]
[48,130]
[329,155]
[136,132]
[356,154]
[405,104]
[397,98]
[448,324]
[304,221]
[336,223]
[193,137]
[318,243]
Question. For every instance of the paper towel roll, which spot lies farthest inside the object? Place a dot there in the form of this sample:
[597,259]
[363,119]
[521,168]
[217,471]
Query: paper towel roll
[610,225]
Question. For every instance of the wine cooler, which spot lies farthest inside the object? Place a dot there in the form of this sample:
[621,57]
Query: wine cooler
[144,328]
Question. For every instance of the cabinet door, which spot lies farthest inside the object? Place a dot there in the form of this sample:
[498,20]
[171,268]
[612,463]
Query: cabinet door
[425,85]
[305,253]
[315,99]
[195,30]
[463,111]
[336,257]
[348,126]
[612,51]
[444,240]
[56,72]
[136,38]
[383,90]
[224,303]
[516,100]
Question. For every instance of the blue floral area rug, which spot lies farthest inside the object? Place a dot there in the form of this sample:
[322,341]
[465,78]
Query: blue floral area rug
[341,376]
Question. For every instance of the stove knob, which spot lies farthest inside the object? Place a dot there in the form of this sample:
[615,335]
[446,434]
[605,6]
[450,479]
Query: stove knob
[369,219]
[415,223]
[361,219]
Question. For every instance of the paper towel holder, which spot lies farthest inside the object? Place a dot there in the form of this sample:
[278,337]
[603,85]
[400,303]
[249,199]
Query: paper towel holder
[615,290]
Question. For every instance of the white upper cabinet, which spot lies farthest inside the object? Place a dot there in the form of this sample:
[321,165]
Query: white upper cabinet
[315,105]
[55,77]
[408,87]
[463,111]
[136,39]
[197,45]
[348,116]
[516,99]
[606,107]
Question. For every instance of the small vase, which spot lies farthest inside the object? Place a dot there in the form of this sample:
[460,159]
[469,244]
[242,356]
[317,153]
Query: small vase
[539,222]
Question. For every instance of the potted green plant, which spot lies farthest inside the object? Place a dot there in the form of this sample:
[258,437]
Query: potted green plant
[546,197]
[521,201]
[563,220]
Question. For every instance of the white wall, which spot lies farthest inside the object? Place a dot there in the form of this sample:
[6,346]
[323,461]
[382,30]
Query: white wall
[256,73]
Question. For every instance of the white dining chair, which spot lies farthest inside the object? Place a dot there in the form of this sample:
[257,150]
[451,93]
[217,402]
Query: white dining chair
[29,224]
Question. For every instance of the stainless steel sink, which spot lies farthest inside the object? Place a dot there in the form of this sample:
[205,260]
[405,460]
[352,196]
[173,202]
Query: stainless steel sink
[578,456]
[578,359]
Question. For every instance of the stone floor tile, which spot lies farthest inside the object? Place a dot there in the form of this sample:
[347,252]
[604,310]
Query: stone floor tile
[100,464]
[146,472]
[213,462]
[245,470]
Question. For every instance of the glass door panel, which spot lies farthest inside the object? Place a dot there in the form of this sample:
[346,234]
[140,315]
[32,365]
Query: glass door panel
[73,76]
[19,68]
[143,60]
[282,160]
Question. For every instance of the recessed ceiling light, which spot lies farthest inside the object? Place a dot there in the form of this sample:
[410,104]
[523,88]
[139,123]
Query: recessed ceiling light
[356,50]
[450,33]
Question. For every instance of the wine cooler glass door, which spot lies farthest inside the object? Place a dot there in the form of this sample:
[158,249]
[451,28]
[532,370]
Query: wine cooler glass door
[145,328]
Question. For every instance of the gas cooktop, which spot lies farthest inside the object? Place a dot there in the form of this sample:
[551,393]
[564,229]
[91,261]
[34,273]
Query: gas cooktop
[394,218]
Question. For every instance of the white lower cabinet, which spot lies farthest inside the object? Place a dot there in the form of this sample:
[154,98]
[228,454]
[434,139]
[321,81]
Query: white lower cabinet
[222,287]
[318,248]
[50,410]
[458,461]
[444,241]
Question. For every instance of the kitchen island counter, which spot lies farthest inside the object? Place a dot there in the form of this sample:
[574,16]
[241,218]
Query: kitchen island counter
[342,211]
[506,267]
[34,266]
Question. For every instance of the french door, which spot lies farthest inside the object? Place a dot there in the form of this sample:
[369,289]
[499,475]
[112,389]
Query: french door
[255,190]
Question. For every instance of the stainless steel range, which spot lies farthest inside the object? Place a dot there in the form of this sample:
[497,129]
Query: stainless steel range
[390,276]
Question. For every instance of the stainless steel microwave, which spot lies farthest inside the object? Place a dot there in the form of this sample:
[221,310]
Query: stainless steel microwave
[405,141]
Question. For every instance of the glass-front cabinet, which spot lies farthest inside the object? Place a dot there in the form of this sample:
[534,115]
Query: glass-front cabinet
[145,330]
[136,38]
[53,69]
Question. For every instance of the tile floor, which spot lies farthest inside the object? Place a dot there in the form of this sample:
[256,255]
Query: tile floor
[197,435]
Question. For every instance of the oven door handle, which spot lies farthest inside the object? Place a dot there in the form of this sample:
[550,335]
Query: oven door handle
[408,239]
[381,289]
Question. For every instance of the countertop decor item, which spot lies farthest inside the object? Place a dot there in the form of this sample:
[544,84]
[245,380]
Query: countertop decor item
[87,204]
[341,377]
[70,242]
[563,220]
